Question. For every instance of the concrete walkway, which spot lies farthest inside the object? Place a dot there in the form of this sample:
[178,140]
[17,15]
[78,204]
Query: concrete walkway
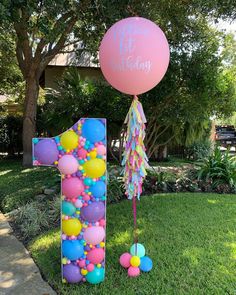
[19,275]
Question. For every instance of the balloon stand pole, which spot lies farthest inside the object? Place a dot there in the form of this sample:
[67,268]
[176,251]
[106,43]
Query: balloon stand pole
[135,163]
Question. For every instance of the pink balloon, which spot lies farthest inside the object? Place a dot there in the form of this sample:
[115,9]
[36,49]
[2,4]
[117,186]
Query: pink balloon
[125,260]
[94,235]
[96,255]
[134,55]
[78,204]
[101,150]
[133,271]
[72,187]
[82,153]
[68,164]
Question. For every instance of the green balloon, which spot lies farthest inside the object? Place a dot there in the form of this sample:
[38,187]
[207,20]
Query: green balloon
[96,276]
[68,208]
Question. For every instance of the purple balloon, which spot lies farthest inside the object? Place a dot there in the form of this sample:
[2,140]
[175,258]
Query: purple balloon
[72,273]
[93,212]
[46,152]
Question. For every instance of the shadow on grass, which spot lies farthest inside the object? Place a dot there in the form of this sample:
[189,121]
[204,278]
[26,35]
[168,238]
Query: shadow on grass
[19,185]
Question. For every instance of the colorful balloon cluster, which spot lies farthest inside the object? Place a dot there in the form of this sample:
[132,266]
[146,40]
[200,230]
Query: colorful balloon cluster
[80,155]
[136,260]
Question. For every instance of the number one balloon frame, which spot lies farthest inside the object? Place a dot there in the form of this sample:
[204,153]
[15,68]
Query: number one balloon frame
[134,57]
[80,155]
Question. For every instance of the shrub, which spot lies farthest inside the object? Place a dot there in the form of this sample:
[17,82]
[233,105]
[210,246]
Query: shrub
[158,181]
[36,217]
[10,134]
[115,184]
[199,150]
[218,169]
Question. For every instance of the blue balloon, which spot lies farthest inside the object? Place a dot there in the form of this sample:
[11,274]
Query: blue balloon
[140,250]
[68,208]
[98,189]
[145,263]
[93,130]
[72,250]
[96,276]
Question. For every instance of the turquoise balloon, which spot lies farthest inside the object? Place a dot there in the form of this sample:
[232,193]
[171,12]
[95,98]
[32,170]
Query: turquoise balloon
[96,276]
[68,208]
[140,250]
[88,181]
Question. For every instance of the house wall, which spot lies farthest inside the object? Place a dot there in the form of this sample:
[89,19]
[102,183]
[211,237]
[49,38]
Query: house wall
[54,74]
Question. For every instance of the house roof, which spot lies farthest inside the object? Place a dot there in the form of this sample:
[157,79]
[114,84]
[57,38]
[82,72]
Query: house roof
[72,59]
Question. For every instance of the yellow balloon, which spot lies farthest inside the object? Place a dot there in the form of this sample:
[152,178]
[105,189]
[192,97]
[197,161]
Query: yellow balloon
[71,227]
[94,168]
[93,154]
[135,261]
[69,140]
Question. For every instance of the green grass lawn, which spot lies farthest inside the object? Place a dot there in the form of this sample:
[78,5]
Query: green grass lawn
[190,237]
[19,185]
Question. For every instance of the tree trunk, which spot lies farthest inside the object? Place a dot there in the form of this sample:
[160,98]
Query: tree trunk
[29,120]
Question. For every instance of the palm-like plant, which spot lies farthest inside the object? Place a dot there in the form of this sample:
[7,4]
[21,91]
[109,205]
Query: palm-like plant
[219,169]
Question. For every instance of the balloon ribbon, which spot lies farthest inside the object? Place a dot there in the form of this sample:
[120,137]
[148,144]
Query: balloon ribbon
[135,160]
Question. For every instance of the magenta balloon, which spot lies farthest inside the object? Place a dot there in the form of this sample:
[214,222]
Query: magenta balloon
[68,164]
[72,273]
[46,152]
[72,187]
[134,55]
[94,235]
[93,212]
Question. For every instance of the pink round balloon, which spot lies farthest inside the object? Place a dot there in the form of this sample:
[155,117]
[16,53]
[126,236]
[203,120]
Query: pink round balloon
[94,235]
[134,55]
[96,255]
[82,153]
[90,267]
[72,187]
[68,164]
[133,271]
[101,150]
[125,260]
[78,204]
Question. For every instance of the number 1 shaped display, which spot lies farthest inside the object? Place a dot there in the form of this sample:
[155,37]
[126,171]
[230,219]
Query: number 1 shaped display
[80,155]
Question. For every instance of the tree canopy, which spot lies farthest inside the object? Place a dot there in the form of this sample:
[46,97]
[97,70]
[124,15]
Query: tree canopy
[195,81]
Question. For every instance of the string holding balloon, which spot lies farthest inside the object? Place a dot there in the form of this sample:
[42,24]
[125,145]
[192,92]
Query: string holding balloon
[134,57]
